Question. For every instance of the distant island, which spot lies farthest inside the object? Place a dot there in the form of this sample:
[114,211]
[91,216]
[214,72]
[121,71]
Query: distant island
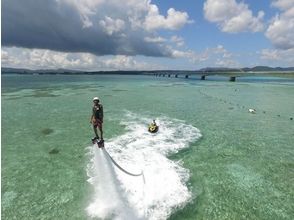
[260,70]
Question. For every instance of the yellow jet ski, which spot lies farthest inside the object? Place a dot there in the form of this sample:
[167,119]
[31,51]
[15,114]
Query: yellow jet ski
[153,127]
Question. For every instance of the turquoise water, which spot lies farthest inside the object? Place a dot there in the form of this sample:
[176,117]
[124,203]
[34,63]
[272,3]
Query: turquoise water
[211,158]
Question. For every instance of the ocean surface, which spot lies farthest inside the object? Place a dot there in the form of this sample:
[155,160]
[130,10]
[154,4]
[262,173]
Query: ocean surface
[211,158]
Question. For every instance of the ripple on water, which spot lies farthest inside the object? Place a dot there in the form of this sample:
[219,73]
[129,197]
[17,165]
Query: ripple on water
[120,90]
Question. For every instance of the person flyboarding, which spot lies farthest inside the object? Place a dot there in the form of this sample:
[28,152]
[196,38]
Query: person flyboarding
[97,121]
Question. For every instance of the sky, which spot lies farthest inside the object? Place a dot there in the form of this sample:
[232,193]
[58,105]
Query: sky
[146,34]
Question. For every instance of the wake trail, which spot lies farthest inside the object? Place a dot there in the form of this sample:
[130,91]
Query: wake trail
[160,191]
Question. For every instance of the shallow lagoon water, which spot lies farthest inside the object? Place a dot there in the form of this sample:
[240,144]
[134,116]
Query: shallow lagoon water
[233,165]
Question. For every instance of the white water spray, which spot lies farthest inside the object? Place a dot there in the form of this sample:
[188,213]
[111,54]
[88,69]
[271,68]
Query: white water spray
[120,196]
[108,198]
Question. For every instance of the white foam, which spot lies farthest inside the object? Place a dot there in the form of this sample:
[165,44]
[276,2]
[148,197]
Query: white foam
[120,196]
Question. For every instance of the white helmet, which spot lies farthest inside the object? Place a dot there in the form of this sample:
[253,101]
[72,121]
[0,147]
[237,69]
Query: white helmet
[95,99]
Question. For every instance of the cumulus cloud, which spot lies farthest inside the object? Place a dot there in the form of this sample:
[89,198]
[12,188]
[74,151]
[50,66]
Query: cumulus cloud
[283,4]
[48,59]
[155,39]
[269,54]
[85,9]
[227,63]
[280,30]
[183,54]
[214,53]
[278,57]
[122,62]
[215,56]
[218,56]
[111,26]
[179,41]
[99,27]
[233,17]
[173,21]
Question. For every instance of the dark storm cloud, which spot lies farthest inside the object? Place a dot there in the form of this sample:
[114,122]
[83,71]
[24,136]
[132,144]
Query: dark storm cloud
[59,26]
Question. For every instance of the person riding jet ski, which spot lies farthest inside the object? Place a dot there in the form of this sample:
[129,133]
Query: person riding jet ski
[153,127]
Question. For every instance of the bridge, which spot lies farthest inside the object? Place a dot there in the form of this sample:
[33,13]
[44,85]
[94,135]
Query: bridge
[201,76]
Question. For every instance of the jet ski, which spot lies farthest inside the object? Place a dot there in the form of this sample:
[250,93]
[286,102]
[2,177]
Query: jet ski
[153,127]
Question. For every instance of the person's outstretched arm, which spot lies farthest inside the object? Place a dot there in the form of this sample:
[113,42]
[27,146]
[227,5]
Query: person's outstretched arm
[91,118]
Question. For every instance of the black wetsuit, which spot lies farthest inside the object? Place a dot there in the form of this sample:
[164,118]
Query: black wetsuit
[98,112]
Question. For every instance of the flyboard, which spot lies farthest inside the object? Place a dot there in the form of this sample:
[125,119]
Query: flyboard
[100,143]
